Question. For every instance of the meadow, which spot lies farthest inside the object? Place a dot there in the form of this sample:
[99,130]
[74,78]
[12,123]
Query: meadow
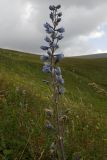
[24,96]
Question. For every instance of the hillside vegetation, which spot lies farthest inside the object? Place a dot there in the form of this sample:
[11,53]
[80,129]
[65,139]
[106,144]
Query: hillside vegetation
[24,96]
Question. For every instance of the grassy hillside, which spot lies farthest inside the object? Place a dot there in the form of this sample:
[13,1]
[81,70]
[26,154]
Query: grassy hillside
[23,97]
[86,81]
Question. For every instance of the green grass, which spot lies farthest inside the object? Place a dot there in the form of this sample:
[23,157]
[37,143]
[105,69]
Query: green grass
[23,98]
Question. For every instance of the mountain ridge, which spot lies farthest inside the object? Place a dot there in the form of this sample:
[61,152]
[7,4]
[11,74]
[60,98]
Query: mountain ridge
[89,56]
[92,56]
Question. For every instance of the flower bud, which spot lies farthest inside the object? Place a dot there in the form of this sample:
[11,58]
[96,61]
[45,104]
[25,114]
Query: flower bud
[60,14]
[61,30]
[47,25]
[52,7]
[44,47]
[58,20]
[46,68]
[59,37]
[49,30]
[47,39]
[58,6]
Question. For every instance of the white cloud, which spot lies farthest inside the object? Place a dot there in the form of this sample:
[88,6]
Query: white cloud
[27,11]
[101,51]
[96,34]
[92,35]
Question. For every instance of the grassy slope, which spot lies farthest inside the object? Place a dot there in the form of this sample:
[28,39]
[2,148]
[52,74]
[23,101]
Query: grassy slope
[23,97]
[79,73]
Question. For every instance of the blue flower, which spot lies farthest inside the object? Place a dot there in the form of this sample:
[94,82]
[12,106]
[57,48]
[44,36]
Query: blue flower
[61,90]
[58,57]
[59,37]
[44,47]
[59,79]
[59,14]
[58,6]
[52,7]
[44,58]
[47,25]
[58,71]
[46,68]
[55,35]
[49,30]
[61,30]
[47,39]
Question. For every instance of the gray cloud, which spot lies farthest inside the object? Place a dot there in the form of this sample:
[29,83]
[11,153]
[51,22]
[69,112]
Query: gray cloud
[67,3]
[21,23]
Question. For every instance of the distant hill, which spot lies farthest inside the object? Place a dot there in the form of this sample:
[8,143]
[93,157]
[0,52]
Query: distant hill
[91,56]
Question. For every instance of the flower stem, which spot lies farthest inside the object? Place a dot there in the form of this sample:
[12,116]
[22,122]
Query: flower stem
[59,135]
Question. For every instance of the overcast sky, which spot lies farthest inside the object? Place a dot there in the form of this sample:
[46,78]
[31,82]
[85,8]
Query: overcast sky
[85,22]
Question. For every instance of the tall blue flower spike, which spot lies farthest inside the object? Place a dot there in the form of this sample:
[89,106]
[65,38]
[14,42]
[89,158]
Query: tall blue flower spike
[54,34]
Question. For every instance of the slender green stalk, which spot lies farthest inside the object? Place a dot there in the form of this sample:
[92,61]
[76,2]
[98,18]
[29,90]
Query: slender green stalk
[56,77]
[56,105]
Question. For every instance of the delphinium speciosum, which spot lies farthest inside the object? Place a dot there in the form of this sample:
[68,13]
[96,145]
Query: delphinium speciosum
[51,60]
